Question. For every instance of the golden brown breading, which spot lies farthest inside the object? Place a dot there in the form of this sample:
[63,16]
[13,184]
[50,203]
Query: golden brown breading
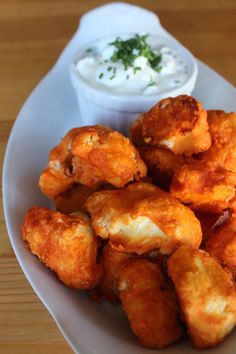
[209,184]
[141,218]
[65,243]
[178,124]
[112,261]
[162,164]
[57,176]
[222,127]
[222,245]
[73,199]
[204,187]
[91,156]
[206,293]
[150,304]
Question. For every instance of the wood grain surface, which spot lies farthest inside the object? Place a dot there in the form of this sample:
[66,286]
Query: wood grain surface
[32,35]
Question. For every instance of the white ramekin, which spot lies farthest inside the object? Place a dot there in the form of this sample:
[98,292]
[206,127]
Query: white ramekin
[118,111]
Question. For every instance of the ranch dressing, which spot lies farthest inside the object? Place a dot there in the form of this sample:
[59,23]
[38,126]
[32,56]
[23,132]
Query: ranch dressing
[137,64]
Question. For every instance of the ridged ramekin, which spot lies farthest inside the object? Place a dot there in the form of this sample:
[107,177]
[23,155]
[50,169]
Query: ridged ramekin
[118,111]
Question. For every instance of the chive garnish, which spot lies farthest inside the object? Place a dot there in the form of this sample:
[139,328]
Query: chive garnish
[136,68]
[151,83]
[101,76]
[128,50]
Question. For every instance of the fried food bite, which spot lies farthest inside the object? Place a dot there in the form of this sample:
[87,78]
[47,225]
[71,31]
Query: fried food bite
[206,293]
[209,184]
[204,187]
[57,177]
[73,199]
[141,217]
[222,245]
[222,127]
[177,124]
[64,243]
[162,164]
[112,261]
[91,156]
[150,304]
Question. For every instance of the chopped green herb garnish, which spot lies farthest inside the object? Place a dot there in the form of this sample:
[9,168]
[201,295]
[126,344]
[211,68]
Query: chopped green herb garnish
[88,50]
[136,68]
[128,50]
[127,77]
[112,77]
[177,81]
[101,76]
[151,83]
[109,68]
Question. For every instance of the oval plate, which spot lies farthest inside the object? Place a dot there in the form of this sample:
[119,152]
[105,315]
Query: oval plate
[49,112]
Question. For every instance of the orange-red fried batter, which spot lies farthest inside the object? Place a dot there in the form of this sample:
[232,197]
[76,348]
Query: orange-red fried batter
[65,243]
[222,245]
[206,293]
[73,199]
[162,164]
[178,124]
[203,187]
[150,304]
[112,261]
[141,217]
[91,155]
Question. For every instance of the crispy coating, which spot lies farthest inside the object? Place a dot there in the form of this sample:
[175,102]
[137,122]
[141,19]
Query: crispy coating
[222,245]
[141,217]
[222,127]
[64,243]
[150,304]
[206,293]
[112,261]
[57,177]
[91,156]
[162,164]
[204,187]
[178,124]
[209,184]
[73,199]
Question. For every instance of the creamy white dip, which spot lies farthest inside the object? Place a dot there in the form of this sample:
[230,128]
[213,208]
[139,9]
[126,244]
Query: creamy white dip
[97,67]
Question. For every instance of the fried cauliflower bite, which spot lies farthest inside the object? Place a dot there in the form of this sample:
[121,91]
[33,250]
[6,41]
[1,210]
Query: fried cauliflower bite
[222,127]
[91,156]
[222,245]
[177,124]
[57,176]
[64,243]
[204,187]
[141,217]
[112,261]
[206,293]
[73,199]
[150,304]
[162,164]
[103,155]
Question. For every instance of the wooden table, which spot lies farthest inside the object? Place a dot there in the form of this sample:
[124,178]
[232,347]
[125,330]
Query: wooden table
[32,35]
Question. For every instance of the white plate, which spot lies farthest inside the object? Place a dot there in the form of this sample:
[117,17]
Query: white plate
[50,111]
